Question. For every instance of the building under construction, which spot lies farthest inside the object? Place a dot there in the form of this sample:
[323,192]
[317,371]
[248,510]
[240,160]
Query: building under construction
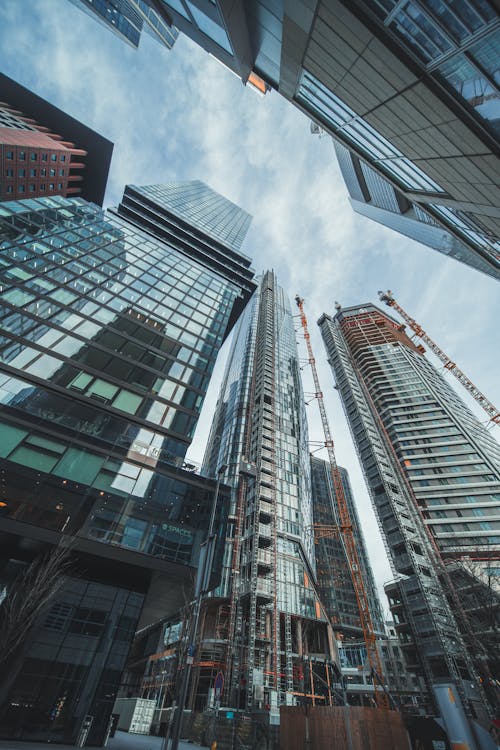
[432,471]
[334,576]
[265,627]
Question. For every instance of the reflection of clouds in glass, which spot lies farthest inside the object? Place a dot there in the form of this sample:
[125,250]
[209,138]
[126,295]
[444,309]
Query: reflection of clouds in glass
[143,482]
[45,366]
[123,484]
[133,480]
[10,388]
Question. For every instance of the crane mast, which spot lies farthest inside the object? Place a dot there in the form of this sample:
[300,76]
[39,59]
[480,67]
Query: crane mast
[491,410]
[346,529]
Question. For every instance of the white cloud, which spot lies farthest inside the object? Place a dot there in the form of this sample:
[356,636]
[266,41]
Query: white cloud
[180,115]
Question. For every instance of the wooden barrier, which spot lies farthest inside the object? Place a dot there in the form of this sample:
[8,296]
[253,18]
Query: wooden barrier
[326,728]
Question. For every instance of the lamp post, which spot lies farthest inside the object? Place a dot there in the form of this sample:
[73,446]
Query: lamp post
[202,583]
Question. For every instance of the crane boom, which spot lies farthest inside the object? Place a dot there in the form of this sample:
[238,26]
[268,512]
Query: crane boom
[346,529]
[491,410]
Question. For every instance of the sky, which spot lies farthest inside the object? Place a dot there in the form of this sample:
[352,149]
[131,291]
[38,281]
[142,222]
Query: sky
[180,115]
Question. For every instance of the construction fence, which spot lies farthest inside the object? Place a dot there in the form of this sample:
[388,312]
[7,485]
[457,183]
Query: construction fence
[341,728]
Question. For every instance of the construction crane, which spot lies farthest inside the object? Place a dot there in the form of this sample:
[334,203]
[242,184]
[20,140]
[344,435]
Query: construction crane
[491,410]
[346,530]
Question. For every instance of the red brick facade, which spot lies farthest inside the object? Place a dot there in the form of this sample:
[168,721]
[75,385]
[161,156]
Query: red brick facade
[37,163]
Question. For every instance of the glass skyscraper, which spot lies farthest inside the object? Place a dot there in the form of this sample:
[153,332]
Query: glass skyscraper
[268,623]
[433,474]
[334,577]
[111,324]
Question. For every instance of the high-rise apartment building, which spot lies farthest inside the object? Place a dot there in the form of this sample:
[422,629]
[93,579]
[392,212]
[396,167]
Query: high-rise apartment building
[264,626]
[334,577]
[111,324]
[410,87]
[45,152]
[129,18]
[432,471]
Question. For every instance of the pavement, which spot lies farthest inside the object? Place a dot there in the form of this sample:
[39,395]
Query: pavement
[121,741]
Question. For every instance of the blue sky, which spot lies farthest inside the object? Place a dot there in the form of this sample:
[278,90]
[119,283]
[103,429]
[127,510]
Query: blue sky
[180,115]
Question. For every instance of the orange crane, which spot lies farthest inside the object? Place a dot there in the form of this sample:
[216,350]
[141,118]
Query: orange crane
[346,530]
[491,410]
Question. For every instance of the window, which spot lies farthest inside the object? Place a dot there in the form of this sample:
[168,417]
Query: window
[10,189]
[53,157]
[21,156]
[81,381]
[33,156]
[59,185]
[9,172]
[102,390]
[9,155]
[422,35]
[32,172]
[43,172]
[42,188]
[88,622]
[62,157]
[44,157]
[472,86]
[213,29]
[51,186]
[22,173]
[32,188]
[127,401]
[52,172]
[20,188]
[61,173]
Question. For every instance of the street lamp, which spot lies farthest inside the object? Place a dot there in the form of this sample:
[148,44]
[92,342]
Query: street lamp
[202,584]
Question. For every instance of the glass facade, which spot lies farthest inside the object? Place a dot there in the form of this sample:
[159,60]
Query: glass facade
[79,647]
[109,338]
[199,206]
[109,341]
[128,18]
[334,577]
[373,196]
[457,42]
[356,130]
[410,86]
[117,332]
[260,421]
[201,18]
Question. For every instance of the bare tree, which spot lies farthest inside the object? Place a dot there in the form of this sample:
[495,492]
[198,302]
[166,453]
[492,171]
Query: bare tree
[476,588]
[26,596]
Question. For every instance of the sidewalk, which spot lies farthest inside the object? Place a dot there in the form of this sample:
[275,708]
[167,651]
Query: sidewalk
[121,741]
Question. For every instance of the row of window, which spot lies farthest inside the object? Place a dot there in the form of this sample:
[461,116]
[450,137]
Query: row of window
[21,156]
[33,172]
[32,188]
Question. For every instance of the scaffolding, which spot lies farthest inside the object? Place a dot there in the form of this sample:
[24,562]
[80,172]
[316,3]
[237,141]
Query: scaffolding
[264,640]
